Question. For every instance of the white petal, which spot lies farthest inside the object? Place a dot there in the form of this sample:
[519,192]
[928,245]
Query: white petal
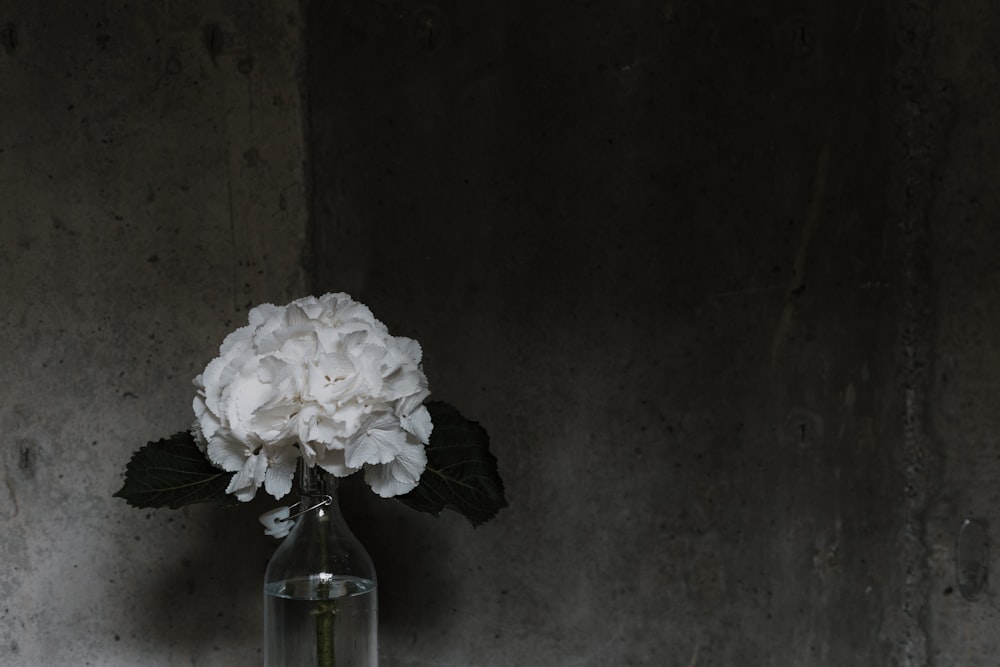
[227,452]
[368,361]
[410,464]
[332,461]
[400,475]
[319,430]
[349,415]
[264,320]
[199,436]
[210,381]
[403,382]
[299,347]
[280,470]
[307,452]
[263,314]
[410,348]
[236,343]
[208,423]
[332,378]
[418,423]
[245,482]
[379,440]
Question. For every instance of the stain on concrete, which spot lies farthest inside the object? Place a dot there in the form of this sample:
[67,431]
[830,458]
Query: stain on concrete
[803,428]
[428,28]
[10,37]
[26,459]
[214,40]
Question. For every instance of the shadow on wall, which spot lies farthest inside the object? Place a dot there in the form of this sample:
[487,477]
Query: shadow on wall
[411,551]
[206,587]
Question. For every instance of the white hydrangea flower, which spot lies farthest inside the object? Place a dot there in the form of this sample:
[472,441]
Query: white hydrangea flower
[320,378]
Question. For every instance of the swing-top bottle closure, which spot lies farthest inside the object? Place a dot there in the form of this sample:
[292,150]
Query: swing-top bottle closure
[280,521]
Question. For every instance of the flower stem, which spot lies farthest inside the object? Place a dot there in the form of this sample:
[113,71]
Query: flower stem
[325,612]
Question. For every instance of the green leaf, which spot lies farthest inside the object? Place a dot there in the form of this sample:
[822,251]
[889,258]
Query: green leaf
[172,473]
[461,471]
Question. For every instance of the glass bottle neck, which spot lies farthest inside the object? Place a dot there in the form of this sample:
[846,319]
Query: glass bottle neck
[315,484]
[321,543]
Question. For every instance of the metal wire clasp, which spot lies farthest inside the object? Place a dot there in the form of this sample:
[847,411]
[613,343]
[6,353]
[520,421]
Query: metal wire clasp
[280,521]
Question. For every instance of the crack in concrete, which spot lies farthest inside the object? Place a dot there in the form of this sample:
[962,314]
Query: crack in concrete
[797,281]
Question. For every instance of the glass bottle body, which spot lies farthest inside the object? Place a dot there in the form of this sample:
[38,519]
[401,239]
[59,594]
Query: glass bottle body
[320,591]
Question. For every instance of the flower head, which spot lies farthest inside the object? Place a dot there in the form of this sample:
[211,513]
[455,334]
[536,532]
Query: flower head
[320,378]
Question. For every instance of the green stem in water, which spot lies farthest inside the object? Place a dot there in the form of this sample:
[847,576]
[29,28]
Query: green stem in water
[326,615]
[325,612]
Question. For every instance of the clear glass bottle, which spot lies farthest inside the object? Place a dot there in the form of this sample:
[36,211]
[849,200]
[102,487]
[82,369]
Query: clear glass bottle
[320,597]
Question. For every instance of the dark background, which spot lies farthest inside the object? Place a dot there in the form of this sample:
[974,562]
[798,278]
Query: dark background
[719,278]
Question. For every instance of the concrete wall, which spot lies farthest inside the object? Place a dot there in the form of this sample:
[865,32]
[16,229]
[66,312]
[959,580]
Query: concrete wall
[959,104]
[151,188]
[716,277]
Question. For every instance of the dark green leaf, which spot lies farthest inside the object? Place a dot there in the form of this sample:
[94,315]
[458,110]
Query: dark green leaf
[461,471]
[173,473]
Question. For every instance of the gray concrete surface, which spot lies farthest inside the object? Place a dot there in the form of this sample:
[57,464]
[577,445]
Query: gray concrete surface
[718,278]
[152,187]
[962,403]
